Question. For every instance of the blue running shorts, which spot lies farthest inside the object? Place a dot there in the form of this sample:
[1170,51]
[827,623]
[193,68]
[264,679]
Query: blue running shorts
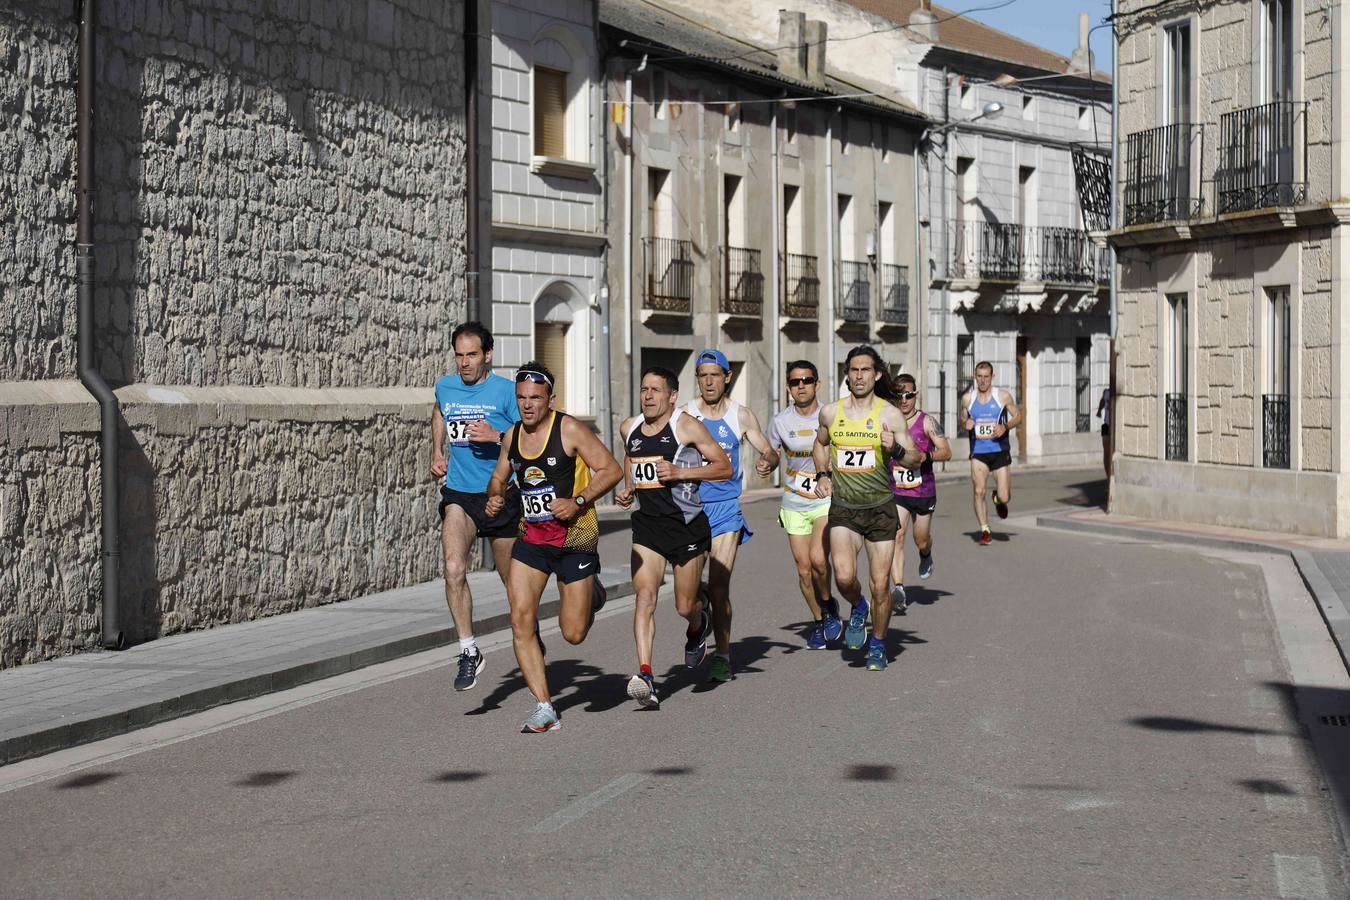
[725,516]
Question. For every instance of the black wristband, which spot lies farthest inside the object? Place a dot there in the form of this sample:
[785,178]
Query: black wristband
[825,474]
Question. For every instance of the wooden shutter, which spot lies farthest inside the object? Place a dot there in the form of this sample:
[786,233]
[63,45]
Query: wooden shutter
[550,113]
[550,348]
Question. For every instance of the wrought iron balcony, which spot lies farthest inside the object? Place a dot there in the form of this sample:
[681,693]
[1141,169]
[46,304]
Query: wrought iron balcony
[994,251]
[742,283]
[801,286]
[855,291]
[1275,430]
[1161,181]
[894,297]
[1259,161]
[1178,435]
[670,274]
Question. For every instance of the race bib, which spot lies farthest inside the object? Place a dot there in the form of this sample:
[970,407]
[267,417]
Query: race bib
[855,459]
[984,428]
[538,502]
[803,483]
[908,479]
[643,469]
[457,430]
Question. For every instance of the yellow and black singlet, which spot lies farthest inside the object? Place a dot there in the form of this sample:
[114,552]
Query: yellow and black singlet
[860,472]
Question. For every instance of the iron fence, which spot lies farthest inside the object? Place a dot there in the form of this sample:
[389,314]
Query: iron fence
[1178,440]
[1160,181]
[742,282]
[894,296]
[1275,430]
[995,251]
[855,291]
[1258,162]
[670,274]
[801,286]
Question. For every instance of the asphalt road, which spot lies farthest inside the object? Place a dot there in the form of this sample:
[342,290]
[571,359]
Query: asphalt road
[1063,716]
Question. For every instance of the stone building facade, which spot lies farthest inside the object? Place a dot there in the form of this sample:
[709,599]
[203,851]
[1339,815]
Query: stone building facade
[280,216]
[1232,404]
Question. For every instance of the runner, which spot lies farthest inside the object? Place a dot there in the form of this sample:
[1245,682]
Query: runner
[916,489]
[473,409]
[804,515]
[989,413]
[730,424]
[856,434]
[662,469]
[560,468]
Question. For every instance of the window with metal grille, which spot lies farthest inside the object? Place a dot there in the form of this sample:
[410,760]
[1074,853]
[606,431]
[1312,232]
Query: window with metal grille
[550,112]
[1082,357]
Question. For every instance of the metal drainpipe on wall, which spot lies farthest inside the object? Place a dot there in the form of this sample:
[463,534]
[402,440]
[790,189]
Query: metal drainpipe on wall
[471,302]
[776,265]
[112,636]
[832,215]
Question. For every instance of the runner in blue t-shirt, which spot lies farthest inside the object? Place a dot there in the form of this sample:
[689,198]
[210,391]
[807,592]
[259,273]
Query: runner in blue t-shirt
[473,409]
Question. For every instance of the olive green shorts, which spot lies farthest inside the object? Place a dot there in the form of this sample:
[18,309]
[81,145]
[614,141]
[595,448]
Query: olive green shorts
[875,524]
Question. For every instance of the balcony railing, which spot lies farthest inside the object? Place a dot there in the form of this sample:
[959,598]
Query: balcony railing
[670,274]
[1178,441]
[742,282]
[1259,166]
[801,286]
[1275,430]
[1161,182]
[894,297]
[855,291]
[995,251]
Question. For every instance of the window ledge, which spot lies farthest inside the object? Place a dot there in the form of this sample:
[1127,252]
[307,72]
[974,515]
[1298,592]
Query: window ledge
[565,168]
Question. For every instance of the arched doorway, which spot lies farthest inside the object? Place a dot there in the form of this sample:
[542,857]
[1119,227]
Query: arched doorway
[562,341]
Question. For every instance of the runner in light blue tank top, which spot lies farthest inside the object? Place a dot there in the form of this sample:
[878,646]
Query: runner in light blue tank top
[989,414]
[730,424]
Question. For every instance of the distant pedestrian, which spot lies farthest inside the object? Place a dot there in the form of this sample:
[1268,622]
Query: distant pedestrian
[1104,410]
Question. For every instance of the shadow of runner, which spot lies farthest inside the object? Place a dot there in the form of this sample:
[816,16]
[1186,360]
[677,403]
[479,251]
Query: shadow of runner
[745,652]
[998,536]
[600,690]
[923,596]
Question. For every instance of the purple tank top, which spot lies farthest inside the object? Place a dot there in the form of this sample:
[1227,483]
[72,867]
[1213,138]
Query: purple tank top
[920,482]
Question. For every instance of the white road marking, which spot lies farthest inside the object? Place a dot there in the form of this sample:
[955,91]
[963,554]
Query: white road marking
[591,802]
[1300,876]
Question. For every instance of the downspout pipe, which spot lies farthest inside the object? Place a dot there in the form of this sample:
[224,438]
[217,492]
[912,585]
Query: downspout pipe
[110,417]
[831,285]
[472,303]
[1113,430]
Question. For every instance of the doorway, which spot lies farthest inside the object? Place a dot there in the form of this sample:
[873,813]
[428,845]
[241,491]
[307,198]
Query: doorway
[1021,398]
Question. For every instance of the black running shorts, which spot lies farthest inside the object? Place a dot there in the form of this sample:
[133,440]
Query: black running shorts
[568,565]
[994,461]
[672,537]
[505,524]
[917,506]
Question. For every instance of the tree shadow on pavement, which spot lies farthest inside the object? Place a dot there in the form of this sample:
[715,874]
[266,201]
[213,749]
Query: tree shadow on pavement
[745,653]
[864,772]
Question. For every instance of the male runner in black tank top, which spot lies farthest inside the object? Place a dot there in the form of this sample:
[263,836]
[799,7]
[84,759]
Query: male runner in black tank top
[664,461]
[552,457]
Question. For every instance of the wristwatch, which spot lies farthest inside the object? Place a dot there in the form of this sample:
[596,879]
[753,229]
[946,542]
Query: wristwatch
[580,500]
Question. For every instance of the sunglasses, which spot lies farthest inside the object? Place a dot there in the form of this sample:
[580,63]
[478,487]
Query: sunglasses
[798,382]
[908,395]
[535,377]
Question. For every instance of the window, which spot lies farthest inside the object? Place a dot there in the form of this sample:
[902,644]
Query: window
[1177,74]
[1275,400]
[660,209]
[1277,50]
[847,232]
[794,234]
[1176,402]
[965,365]
[1026,195]
[733,211]
[550,112]
[966,93]
[1084,118]
[733,118]
[1082,366]
[885,234]
[1028,107]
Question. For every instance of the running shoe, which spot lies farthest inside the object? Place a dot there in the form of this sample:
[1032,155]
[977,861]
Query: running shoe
[876,656]
[470,664]
[720,670]
[830,621]
[545,718]
[986,538]
[816,639]
[642,688]
[925,566]
[899,603]
[696,646]
[856,632]
[599,596]
[1000,506]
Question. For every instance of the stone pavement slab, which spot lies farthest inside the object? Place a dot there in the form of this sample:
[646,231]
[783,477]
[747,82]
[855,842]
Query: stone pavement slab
[1323,563]
[48,706]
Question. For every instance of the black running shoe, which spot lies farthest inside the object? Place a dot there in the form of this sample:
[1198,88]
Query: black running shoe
[599,596]
[470,664]
[1000,506]
[696,645]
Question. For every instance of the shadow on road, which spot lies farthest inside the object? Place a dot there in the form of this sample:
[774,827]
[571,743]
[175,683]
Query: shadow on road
[1175,723]
[745,653]
[923,596]
[1267,786]
[598,689]
[88,779]
[1087,493]
[861,772]
[456,777]
[263,779]
[998,536]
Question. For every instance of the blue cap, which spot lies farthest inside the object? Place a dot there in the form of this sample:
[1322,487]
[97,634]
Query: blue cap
[713,356]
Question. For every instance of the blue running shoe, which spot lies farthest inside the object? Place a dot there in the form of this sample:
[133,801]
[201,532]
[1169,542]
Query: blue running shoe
[696,645]
[816,640]
[876,655]
[856,632]
[545,718]
[832,626]
[470,664]
[925,566]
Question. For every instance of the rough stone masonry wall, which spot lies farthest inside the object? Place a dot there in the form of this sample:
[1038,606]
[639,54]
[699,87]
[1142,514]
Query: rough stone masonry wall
[280,232]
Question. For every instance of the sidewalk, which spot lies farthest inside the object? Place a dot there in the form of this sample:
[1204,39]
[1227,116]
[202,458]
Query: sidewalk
[52,705]
[1323,563]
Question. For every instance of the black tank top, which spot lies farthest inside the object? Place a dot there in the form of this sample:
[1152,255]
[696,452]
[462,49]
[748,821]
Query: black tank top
[544,478]
[678,498]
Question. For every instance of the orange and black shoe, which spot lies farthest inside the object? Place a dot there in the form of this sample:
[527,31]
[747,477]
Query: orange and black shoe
[985,537]
[1000,506]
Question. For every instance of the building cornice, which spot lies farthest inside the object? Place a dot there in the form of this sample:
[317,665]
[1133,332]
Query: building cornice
[1256,221]
[556,237]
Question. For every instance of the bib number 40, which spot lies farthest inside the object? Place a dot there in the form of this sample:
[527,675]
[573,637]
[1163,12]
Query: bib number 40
[644,471]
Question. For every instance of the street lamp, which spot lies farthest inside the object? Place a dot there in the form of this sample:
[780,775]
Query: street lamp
[991,110]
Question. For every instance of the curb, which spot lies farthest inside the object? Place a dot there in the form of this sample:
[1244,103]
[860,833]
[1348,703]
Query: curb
[1329,602]
[248,686]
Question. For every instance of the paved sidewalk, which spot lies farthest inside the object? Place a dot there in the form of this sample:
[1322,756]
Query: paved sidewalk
[52,705]
[1323,563]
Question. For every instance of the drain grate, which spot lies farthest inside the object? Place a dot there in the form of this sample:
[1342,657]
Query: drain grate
[1334,720]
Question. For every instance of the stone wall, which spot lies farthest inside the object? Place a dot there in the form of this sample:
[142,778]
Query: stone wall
[280,238]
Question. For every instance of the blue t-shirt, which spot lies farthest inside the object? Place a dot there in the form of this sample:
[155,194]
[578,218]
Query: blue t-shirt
[469,464]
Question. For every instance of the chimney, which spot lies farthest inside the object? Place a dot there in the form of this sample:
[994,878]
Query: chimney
[792,44]
[923,24]
[816,35]
[1081,61]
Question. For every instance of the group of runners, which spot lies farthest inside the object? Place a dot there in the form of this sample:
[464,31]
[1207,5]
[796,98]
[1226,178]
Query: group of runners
[857,476]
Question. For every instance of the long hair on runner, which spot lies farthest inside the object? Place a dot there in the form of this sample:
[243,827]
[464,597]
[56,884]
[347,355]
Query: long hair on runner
[886,388]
